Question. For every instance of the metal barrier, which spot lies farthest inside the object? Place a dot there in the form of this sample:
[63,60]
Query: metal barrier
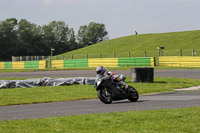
[179,61]
[23,65]
[107,62]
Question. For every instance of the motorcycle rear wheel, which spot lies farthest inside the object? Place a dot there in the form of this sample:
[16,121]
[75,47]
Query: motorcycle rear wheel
[104,96]
[134,95]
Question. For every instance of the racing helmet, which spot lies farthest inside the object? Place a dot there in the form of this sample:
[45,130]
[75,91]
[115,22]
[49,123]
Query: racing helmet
[100,70]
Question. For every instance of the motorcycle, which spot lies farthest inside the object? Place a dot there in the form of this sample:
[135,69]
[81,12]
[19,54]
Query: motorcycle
[108,89]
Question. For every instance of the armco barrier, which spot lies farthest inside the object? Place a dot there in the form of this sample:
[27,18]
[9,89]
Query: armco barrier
[107,62]
[18,65]
[58,63]
[23,65]
[75,63]
[78,63]
[42,64]
[1,65]
[179,61]
[70,63]
[7,65]
[138,61]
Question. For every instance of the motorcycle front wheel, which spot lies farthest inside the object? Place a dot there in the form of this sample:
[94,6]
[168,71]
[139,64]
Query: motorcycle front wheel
[134,95]
[104,96]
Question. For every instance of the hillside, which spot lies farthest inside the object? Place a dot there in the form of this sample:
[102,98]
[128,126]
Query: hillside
[144,42]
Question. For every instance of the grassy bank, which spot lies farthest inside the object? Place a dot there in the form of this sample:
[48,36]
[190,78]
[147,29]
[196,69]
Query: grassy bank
[144,42]
[185,120]
[78,92]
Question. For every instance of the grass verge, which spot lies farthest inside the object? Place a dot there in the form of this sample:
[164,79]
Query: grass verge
[162,121]
[79,92]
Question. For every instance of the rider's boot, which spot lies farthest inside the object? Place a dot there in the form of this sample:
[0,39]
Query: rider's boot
[124,86]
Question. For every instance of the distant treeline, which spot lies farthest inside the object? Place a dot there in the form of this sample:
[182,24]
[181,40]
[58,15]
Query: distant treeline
[22,38]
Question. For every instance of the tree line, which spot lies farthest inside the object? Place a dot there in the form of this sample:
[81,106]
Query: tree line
[22,38]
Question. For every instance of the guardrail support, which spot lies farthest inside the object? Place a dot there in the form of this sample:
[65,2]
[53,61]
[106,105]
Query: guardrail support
[181,52]
[114,55]
[193,52]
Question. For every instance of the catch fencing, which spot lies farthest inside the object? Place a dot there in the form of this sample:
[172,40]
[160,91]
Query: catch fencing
[163,52]
[29,58]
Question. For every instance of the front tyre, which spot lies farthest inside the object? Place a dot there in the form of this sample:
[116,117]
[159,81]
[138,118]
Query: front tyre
[104,96]
[133,94]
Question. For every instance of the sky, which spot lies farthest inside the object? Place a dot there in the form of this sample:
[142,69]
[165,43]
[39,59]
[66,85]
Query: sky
[121,17]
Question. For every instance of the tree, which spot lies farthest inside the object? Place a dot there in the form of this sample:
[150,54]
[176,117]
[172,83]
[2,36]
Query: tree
[91,34]
[8,37]
[59,36]
[22,38]
[29,39]
[19,38]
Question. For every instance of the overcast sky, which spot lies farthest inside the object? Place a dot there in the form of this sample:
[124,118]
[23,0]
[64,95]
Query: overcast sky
[121,17]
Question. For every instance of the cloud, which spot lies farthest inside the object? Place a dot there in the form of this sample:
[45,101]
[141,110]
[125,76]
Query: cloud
[154,27]
[50,2]
[76,1]
[194,3]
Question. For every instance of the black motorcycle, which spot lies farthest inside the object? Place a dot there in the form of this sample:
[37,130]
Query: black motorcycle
[110,90]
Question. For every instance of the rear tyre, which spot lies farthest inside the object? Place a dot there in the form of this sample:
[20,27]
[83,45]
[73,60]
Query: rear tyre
[133,94]
[104,96]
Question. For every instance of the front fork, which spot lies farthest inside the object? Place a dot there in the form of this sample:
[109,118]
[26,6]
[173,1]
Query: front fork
[107,94]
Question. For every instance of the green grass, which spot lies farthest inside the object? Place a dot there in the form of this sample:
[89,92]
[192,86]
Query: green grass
[184,120]
[140,43]
[78,92]
[46,94]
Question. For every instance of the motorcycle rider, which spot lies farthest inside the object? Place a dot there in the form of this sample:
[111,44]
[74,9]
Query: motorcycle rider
[104,72]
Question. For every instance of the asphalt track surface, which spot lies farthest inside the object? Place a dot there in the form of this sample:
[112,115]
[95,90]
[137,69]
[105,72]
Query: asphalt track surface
[187,73]
[146,102]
